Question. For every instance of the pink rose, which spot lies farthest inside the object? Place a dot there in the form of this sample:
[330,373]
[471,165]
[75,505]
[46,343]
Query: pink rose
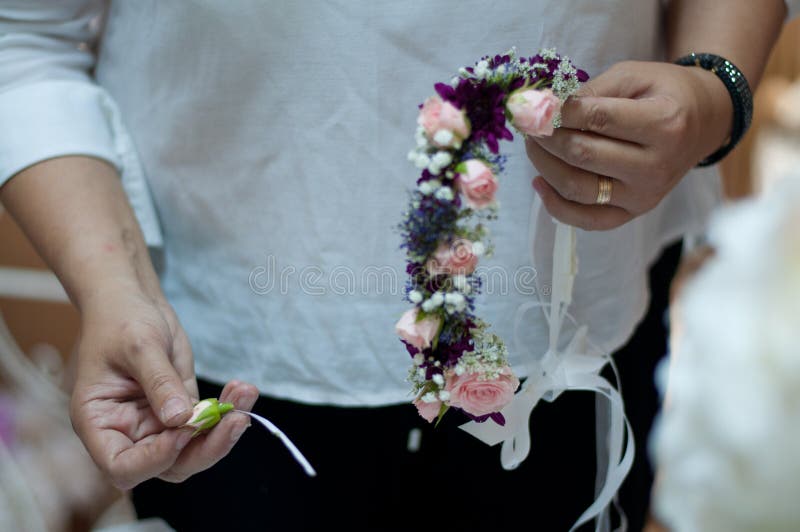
[478,396]
[532,111]
[456,258]
[477,183]
[429,411]
[420,333]
[438,116]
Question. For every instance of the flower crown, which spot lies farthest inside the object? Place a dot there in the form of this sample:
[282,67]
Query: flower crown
[457,362]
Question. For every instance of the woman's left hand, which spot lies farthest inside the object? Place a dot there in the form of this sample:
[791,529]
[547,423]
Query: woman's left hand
[643,124]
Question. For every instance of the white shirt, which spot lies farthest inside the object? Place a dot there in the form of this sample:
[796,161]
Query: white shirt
[272,136]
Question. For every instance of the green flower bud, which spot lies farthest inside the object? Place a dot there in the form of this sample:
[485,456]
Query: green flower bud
[206,414]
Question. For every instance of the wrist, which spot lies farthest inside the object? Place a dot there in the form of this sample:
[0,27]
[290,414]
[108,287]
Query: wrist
[716,111]
[111,269]
[102,292]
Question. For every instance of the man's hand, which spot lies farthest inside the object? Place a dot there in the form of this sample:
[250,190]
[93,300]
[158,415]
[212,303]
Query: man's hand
[136,386]
[643,124]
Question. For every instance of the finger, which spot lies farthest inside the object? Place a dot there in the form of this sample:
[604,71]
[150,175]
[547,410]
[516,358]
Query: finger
[572,184]
[206,451]
[636,121]
[183,360]
[588,217]
[162,385]
[597,154]
[622,80]
[127,463]
[241,394]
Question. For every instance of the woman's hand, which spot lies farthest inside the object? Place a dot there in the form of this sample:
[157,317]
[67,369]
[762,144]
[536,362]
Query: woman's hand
[136,386]
[135,383]
[643,124]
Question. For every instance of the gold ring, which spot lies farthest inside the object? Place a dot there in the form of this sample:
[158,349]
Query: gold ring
[604,185]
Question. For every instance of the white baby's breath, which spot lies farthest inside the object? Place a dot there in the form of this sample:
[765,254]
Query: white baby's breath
[422,161]
[444,193]
[442,158]
[443,137]
[454,298]
[548,53]
[421,138]
[482,69]
[429,397]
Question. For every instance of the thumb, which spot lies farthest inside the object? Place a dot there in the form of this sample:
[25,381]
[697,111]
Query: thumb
[162,385]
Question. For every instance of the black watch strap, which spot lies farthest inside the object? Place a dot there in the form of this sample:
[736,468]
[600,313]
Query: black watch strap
[741,96]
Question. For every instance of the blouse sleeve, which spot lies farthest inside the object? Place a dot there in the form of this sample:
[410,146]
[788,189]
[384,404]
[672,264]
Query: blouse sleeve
[50,106]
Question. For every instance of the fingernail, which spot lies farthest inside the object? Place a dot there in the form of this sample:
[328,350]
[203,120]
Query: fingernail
[183,440]
[173,408]
[537,186]
[237,432]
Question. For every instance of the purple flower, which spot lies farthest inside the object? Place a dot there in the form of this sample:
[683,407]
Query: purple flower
[449,354]
[497,417]
[426,225]
[484,104]
[498,60]
[412,349]
[425,176]
[414,268]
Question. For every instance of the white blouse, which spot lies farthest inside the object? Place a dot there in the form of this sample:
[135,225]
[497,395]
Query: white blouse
[262,145]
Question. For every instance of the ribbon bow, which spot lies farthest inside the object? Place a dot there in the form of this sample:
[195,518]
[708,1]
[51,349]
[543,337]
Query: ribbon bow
[572,368]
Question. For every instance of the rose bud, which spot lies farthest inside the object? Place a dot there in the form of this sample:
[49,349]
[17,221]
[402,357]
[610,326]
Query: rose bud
[477,183]
[429,410]
[532,111]
[419,333]
[445,125]
[206,414]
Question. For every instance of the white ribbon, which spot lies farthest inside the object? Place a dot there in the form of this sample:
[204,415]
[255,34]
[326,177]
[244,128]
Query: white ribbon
[270,426]
[572,368]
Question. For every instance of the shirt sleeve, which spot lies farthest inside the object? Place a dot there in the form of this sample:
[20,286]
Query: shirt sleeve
[50,105]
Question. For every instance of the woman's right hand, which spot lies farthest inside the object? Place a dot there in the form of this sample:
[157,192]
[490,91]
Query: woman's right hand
[135,383]
[135,386]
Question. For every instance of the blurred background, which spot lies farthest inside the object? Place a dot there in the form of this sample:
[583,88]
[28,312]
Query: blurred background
[46,480]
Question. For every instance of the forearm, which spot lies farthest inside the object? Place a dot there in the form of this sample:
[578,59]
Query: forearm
[75,212]
[742,31]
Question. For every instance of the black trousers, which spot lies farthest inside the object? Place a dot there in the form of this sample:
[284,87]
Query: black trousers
[368,479]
